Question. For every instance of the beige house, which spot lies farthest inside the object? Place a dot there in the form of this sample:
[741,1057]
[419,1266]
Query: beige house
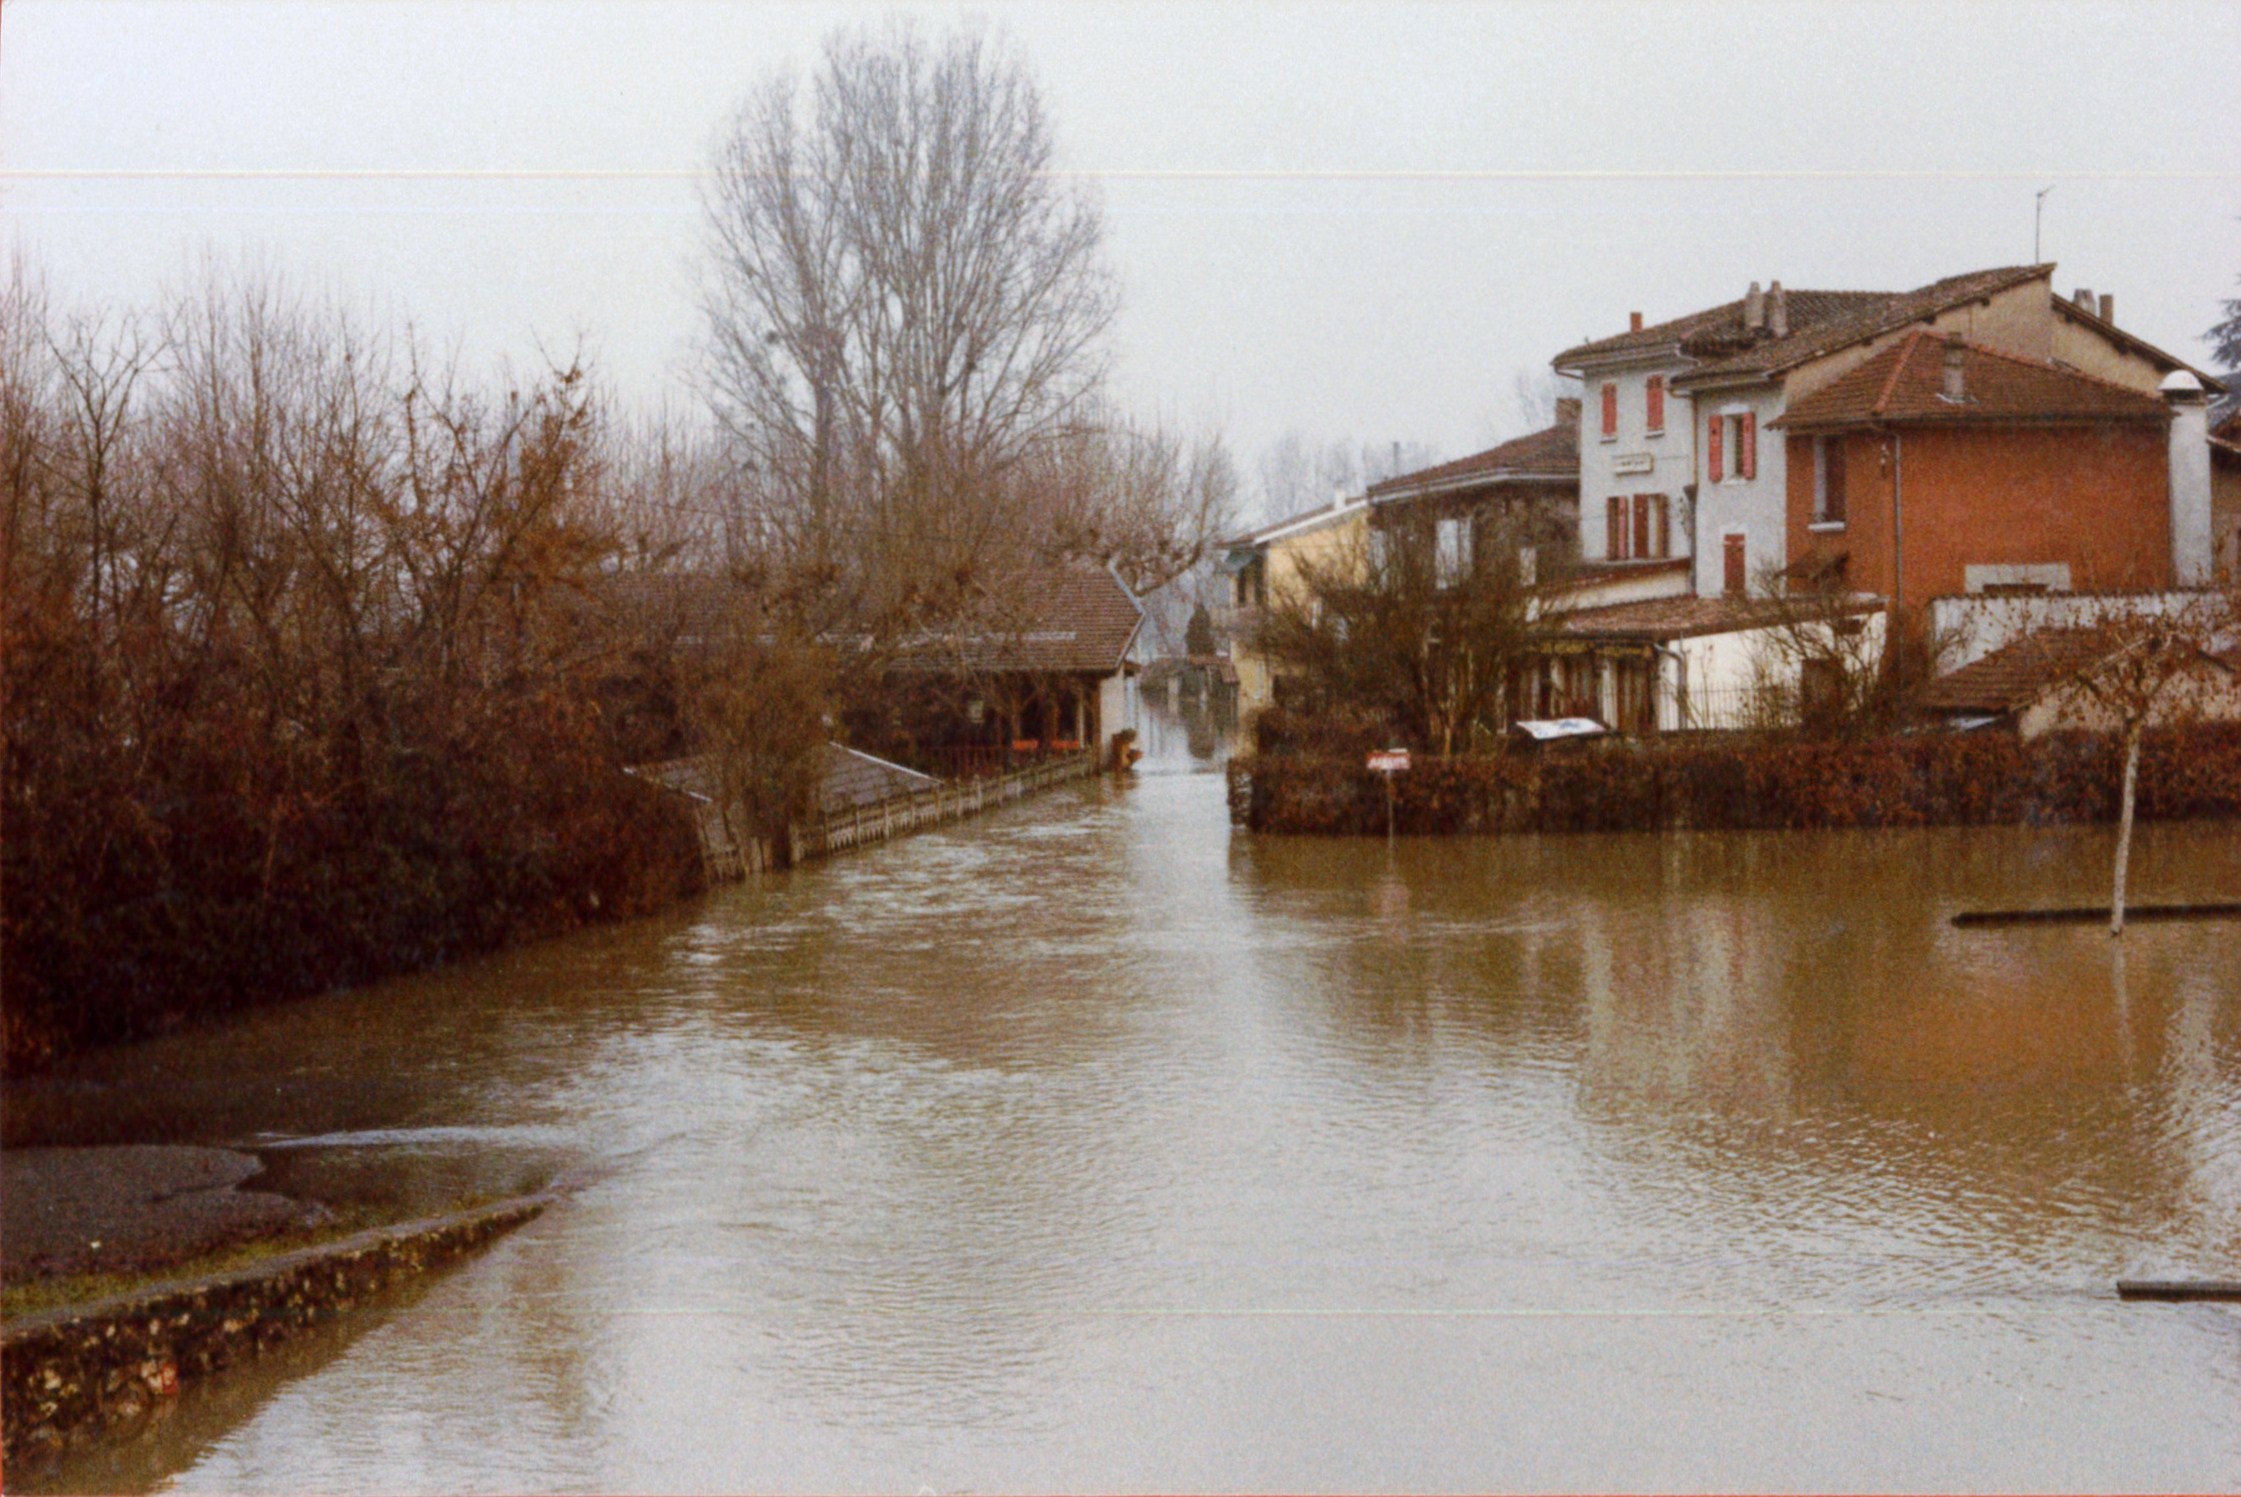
[1266,568]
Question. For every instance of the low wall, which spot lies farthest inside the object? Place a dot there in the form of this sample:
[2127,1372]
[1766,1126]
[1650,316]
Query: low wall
[1928,780]
[69,1373]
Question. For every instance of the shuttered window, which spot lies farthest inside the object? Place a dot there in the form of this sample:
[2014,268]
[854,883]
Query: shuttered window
[1735,580]
[1653,403]
[1714,464]
[1642,526]
[1615,537]
[1610,410]
[1747,445]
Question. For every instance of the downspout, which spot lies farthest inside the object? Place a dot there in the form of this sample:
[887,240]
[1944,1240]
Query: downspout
[1898,521]
[1680,682]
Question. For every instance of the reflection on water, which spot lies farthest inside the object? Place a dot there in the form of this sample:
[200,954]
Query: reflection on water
[1090,1145]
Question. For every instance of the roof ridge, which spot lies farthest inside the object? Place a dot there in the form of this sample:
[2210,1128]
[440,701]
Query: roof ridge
[1905,351]
[2044,366]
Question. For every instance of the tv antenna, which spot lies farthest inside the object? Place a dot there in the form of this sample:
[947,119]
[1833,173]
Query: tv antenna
[2038,214]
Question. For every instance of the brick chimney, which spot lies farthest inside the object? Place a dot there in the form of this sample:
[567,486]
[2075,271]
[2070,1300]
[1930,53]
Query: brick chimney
[2108,306]
[2189,479]
[1633,322]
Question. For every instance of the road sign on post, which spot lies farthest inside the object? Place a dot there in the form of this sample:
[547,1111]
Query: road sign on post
[1388,762]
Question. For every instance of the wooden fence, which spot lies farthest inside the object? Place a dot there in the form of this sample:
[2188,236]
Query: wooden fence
[728,857]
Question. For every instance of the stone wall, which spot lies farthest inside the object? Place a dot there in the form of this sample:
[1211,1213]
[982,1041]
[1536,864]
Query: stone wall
[71,1373]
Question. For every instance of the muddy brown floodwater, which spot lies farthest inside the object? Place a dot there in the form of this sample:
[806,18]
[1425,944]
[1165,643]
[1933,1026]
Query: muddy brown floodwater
[1093,1145]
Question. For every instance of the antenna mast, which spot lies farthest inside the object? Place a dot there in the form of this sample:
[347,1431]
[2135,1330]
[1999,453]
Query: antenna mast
[2038,213]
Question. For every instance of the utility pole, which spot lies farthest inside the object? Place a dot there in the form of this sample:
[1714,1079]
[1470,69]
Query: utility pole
[2038,213]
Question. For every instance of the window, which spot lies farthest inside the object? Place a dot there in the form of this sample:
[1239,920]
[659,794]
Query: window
[1453,557]
[1610,413]
[1828,480]
[1733,584]
[1618,532]
[1653,405]
[1733,446]
[1652,528]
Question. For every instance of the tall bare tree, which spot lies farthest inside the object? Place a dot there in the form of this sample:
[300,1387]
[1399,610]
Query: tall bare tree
[907,307]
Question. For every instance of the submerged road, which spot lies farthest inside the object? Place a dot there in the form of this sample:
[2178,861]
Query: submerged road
[1094,1145]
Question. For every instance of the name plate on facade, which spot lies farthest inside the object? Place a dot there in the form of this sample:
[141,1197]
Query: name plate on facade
[1634,462]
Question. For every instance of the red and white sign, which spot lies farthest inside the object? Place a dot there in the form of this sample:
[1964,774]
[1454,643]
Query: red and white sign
[1388,761]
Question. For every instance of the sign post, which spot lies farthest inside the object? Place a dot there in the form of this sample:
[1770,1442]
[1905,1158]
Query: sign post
[1389,762]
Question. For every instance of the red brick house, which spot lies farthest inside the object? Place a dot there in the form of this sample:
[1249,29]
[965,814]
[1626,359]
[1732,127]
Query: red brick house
[1942,467]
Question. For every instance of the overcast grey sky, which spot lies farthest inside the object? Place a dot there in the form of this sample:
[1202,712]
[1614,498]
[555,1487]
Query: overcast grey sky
[1346,219]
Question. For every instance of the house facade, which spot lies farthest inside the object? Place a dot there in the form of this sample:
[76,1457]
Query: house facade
[1269,567]
[1524,492]
[1940,467]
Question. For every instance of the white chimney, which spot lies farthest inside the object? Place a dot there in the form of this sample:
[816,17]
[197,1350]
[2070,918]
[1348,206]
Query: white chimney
[2189,479]
[1778,310]
[1754,308]
[2083,298]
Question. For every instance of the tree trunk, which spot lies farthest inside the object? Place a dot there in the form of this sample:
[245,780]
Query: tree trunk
[2124,826]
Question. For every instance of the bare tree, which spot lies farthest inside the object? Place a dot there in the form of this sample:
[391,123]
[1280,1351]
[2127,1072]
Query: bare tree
[1428,642]
[2139,668]
[905,305]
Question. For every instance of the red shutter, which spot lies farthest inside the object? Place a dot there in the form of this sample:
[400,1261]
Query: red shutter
[1713,433]
[1747,460]
[1661,535]
[1642,526]
[1614,543]
[1735,561]
[1654,403]
[1610,410]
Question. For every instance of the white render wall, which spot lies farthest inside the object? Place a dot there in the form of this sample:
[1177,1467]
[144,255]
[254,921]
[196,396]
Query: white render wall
[1757,508]
[1669,457]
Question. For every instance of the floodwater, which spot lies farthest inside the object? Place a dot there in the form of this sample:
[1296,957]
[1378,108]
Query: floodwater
[1092,1145]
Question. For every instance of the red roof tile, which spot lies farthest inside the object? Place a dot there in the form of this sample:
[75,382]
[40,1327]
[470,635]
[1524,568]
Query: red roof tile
[1906,383]
[1687,616]
[1059,620]
[1820,322]
[2016,674]
[1552,453]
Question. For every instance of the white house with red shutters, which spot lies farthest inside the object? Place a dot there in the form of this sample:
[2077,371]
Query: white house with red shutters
[1676,459]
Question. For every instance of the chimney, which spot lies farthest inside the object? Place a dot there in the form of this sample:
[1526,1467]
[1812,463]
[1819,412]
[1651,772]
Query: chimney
[1754,309]
[2083,298]
[2189,479]
[1778,310]
[1633,322]
[1956,387]
[2108,306]
[1567,410]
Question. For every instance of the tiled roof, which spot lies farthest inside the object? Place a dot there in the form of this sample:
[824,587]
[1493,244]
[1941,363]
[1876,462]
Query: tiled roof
[2016,674]
[1820,322]
[854,778]
[1596,573]
[1906,383]
[1718,330]
[1059,620]
[1551,453]
[1687,616]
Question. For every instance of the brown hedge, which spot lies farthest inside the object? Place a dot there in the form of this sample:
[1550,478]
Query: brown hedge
[1930,780]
